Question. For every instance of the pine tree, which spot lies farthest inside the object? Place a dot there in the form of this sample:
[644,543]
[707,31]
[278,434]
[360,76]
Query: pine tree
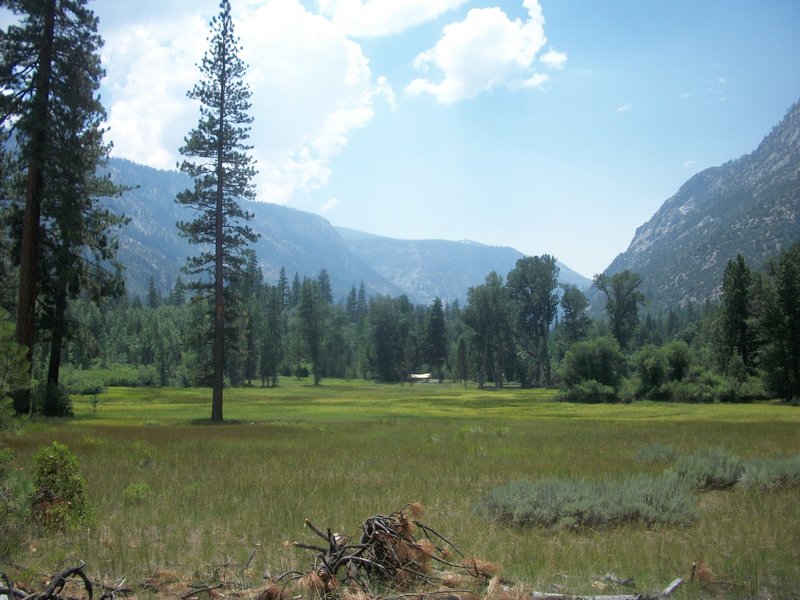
[222,169]
[50,76]
[735,312]
[437,338]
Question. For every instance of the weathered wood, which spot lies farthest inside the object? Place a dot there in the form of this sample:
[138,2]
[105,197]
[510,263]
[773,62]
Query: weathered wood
[665,593]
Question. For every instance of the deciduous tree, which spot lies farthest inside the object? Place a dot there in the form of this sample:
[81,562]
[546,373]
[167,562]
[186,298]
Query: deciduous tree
[623,298]
[532,285]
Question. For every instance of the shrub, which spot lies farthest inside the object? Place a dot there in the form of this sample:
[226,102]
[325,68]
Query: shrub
[590,391]
[579,503]
[600,359]
[651,368]
[59,500]
[137,493]
[656,453]
[767,474]
[710,469]
[54,400]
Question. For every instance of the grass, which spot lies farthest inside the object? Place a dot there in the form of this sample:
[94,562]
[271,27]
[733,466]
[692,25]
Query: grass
[171,493]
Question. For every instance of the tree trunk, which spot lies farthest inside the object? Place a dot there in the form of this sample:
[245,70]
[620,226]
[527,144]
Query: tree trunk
[29,249]
[51,397]
[219,276]
[219,311]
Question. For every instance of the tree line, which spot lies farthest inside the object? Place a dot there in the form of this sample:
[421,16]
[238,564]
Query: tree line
[226,325]
[522,329]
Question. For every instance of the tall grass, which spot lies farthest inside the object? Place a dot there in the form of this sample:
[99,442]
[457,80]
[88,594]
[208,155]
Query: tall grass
[171,493]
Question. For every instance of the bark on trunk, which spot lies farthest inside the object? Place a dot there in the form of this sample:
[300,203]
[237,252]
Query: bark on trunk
[29,249]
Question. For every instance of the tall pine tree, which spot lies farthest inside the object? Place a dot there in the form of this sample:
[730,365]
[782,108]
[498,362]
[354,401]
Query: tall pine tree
[50,76]
[217,159]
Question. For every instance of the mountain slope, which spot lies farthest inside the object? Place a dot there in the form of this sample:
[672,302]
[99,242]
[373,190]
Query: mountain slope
[748,206]
[429,268]
[302,243]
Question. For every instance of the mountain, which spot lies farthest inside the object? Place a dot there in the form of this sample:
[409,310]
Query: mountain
[429,268]
[748,206]
[301,242]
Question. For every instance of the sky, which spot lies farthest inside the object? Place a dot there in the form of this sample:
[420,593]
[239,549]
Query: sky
[552,126]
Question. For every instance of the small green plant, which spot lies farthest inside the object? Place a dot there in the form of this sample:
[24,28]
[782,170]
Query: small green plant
[137,493]
[59,500]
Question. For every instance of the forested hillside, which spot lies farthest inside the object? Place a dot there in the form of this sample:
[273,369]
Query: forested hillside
[299,242]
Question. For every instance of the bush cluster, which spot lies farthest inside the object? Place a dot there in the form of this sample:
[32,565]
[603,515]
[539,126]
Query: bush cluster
[581,503]
[651,500]
[717,468]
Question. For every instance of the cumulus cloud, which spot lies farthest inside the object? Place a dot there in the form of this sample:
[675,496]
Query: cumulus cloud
[485,51]
[371,18]
[312,86]
[554,59]
[150,67]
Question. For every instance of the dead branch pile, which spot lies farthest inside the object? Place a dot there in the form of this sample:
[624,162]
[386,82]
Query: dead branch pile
[397,556]
[394,551]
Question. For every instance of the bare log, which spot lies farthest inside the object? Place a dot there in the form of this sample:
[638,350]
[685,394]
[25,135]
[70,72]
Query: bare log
[665,593]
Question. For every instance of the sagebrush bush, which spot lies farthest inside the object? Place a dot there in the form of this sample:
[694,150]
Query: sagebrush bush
[710,469]
[767,474]
[656,453]
[59,500]
[580,503]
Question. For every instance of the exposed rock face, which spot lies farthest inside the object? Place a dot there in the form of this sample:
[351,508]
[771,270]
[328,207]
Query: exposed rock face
[748,206]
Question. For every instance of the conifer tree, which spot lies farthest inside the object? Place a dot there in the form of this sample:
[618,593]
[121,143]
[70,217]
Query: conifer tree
[50,76]
[436,338]
[735,312]
[217,159]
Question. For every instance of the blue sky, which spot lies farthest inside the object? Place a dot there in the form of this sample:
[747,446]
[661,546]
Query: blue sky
[552,126]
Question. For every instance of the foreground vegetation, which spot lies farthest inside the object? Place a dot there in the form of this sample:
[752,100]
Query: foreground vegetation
[171,493]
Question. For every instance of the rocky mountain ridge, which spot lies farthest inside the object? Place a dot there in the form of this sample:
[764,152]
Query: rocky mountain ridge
[748,206]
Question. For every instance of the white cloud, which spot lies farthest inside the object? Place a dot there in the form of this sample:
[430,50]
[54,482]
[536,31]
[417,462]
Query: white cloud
[150,67]
[554,59]
[688,163]
[312,86]
[329,205]
[485,51]
[372,18]
[625,108]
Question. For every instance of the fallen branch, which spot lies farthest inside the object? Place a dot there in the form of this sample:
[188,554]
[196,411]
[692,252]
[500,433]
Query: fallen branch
[56,585]
[665,593]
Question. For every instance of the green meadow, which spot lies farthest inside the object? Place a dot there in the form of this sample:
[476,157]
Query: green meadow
[172,493]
